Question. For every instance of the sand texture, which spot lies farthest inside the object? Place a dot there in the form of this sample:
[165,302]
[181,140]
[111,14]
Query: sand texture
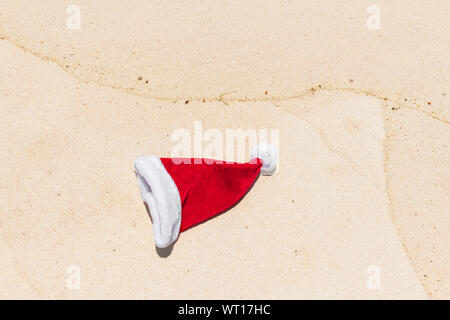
[363,117]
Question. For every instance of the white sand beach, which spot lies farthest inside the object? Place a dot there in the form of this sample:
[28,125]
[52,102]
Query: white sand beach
[363,120]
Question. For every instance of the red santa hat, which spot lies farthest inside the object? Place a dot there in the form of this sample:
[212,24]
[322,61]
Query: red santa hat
[182,192]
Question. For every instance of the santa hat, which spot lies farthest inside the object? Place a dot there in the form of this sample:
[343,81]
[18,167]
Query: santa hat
[182,192]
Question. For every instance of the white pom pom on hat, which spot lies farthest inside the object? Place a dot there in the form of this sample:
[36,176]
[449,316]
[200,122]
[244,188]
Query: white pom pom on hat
[268,155]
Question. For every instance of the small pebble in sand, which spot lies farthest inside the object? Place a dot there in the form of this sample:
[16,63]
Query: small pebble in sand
[351,80]
[139,78]
[429,103]
[266,92]
[146,81]
[186,102]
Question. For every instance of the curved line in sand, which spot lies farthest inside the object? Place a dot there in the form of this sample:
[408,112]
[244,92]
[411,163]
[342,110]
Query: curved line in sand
[219,98]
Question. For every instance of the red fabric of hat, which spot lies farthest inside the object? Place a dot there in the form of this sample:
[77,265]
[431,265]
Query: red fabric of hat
[209,189]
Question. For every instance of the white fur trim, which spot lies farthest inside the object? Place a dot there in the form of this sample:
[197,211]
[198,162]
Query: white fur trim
[160,193]
[268,155]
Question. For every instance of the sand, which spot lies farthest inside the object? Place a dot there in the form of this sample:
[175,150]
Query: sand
[364,156]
